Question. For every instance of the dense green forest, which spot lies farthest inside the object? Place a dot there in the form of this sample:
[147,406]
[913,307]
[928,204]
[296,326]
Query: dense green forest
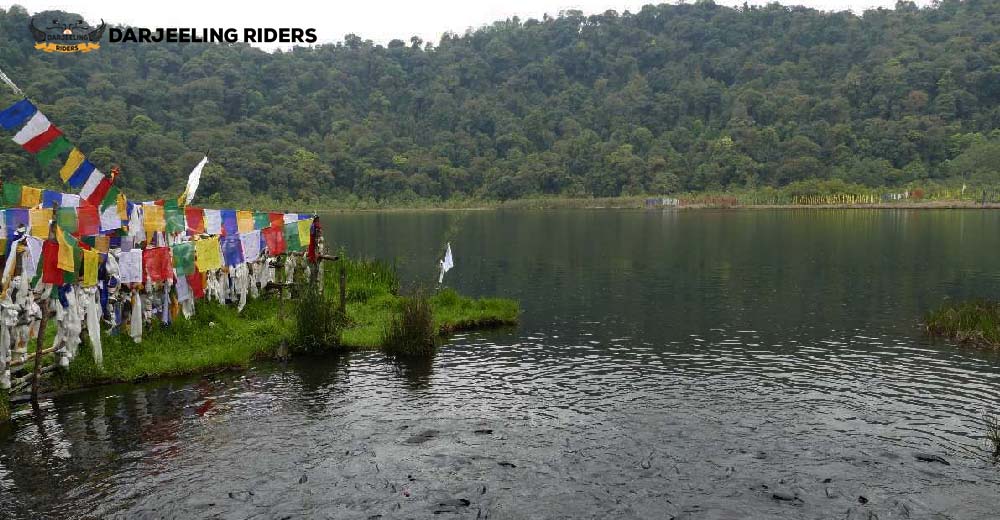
[672,98]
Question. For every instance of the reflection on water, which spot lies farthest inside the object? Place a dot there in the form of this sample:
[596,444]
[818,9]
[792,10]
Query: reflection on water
[668,363]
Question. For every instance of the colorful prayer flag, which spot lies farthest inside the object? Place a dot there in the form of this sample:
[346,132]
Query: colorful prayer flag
[66,219]
[50,263]
[274,238]
[229,222]
[195,220]
[206,254]
[232,250]
[174,217]
[304,235]
[90,267]
[156,264]
[153,219]
[81,175]
[213,222]
[73,162]
[11,194]
[277,219]
[17,114]
[30,197]
[292,242]
[67,244]
[40,220]
[183,254]
[53,149]
[244,221]
[88,220]
[130,266]
[251,245]
[15,218]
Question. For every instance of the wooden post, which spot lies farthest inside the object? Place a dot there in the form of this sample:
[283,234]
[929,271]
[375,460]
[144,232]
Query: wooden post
[39,351]
[343,288]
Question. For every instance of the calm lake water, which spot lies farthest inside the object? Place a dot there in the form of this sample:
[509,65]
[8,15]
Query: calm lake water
[685,364]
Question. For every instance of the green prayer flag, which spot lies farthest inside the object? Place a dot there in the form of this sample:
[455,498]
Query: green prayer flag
[292,237]
[183,254]
[56,147]
[174,217]
[11,195]
[261,220]
[66,219]
[111,199]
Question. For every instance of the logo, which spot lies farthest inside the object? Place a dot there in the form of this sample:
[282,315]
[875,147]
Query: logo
[67,37]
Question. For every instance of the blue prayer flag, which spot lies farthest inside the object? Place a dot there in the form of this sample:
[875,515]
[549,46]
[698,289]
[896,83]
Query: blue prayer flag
[229,222]
[14,218]
[232,250]
[17,114]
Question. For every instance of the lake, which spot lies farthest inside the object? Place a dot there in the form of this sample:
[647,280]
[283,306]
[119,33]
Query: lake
[687,364]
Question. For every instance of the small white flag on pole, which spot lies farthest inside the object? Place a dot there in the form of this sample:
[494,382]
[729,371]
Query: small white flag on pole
[447,263]
[193,179]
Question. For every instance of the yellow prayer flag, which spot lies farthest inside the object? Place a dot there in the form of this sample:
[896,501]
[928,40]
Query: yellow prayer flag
[244,221]
[304,226]
[40,219]
[90,259]
[73,162]
[102,243]
[30,197]
[152,217]
[122,207]
[207,255]
[65,260]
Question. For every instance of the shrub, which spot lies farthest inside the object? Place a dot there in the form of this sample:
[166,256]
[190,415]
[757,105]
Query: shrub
[317,322]
[411,333]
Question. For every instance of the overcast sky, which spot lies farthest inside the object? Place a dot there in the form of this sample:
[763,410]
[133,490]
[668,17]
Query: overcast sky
[378,20]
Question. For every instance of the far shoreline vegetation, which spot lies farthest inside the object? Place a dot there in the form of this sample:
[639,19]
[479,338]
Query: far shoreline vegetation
[219,337]
[813,193]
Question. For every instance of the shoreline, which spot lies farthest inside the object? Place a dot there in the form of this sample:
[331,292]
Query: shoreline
[221,338]
[629,203]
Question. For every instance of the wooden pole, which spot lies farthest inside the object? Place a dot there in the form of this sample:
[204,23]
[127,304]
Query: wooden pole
[343,289]
[39,351]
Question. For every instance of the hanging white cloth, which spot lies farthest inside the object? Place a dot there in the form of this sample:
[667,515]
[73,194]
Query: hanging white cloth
[193,179]
[92,300]
[135,330]
[446,263]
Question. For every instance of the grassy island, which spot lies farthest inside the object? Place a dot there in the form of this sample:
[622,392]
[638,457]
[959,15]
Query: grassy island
[975,322]
[219,337]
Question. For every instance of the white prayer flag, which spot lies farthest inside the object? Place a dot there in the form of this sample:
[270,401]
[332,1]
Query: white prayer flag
[447,263]
[193,179]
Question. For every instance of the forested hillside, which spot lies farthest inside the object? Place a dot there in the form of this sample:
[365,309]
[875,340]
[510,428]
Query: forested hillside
[674,97]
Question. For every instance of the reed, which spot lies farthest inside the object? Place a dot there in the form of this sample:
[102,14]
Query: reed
[993,435]
[975,322]
[318,322]
[411,333]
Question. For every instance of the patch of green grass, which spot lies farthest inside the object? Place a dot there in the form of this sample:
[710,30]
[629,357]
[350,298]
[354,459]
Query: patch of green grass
[218,336]
[974,322]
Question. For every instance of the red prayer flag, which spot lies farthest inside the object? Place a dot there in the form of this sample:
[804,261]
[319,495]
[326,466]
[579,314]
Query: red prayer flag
[99,192]
[277,220]
[50,263]
[274,237]
[156,264]
[195,218]
[88,220]
[197,284]
[40,141]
